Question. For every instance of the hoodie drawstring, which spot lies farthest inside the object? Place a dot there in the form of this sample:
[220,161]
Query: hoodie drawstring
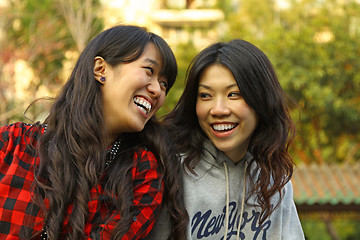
[228,201]
[242,202]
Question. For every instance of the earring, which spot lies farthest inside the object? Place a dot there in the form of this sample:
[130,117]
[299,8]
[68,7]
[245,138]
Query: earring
[102,79]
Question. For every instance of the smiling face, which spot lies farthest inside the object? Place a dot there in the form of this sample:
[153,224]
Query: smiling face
[132,92]
[223,114]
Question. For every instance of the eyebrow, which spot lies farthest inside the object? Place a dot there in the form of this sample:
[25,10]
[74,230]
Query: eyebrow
[152,61]
[227,87]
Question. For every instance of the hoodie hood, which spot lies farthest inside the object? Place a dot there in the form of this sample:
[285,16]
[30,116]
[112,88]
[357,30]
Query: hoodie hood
[212,155]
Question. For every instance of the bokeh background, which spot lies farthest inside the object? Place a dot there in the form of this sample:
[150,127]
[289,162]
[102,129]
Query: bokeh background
[313,44]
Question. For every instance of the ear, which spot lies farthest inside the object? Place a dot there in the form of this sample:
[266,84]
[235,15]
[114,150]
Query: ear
[99,69]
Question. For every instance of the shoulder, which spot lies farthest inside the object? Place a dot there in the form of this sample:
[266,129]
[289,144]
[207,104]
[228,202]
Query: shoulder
[13,130]
[17,154]
[18,140]
[12,134]
[18,129]
[288,191]
[285,200]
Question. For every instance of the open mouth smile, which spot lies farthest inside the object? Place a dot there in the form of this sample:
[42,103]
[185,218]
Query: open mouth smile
[223,127]
[143,104]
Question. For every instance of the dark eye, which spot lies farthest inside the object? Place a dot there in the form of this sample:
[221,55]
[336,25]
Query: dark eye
[234,95]
[204,95]
[164,84]
[149,70]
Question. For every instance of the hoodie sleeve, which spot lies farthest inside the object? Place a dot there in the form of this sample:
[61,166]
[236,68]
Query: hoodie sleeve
[291,226]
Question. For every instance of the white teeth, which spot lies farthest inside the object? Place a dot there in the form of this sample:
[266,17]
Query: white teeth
[143,110]
[222,127]
[144,105]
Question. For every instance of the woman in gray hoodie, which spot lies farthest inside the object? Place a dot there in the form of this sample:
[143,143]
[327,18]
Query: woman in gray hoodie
[232,129]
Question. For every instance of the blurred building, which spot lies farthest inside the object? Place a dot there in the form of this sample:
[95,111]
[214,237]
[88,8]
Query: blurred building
[327,192]
[178,21]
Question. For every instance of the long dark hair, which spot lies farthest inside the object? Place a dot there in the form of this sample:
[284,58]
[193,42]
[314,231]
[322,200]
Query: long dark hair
[260,88]
[72,151]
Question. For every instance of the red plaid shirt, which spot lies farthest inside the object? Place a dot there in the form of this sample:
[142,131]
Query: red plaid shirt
[17,175]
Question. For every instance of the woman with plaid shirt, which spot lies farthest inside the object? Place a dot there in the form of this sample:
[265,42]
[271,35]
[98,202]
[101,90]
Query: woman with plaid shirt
[99,166]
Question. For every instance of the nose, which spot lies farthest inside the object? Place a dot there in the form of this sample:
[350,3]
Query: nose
[220,108]
[154,88]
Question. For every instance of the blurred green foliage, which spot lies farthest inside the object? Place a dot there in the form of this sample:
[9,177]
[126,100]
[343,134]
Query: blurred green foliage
[315,49]
[184,53]
[37,32]
[314,46]
[317,230]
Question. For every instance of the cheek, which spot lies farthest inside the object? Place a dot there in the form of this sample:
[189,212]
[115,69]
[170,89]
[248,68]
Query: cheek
[200,111]
[256,121]
[162,99]
[252,118]
[160,102]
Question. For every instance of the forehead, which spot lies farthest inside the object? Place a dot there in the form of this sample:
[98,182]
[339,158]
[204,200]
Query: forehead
[217,76]
[151,55]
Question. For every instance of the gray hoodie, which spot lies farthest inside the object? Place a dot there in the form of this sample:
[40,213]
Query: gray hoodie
[214,199]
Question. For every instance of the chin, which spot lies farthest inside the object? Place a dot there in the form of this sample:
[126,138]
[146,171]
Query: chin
[140,129]
[133,129]
[223,147]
